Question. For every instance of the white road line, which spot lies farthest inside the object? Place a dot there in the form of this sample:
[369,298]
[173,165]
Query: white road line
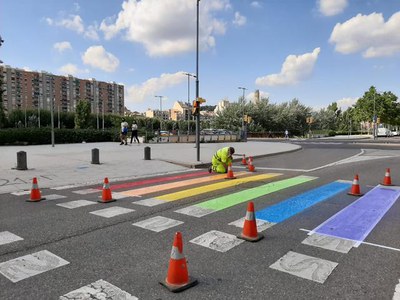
[366,243]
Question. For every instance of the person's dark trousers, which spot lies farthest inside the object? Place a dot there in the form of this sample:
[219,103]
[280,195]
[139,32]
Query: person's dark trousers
[134,136]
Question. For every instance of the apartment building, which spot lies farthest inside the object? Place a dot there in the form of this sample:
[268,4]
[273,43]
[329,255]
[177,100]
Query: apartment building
[34,90]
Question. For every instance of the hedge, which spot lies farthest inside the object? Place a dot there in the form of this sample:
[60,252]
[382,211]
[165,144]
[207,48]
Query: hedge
[40,136]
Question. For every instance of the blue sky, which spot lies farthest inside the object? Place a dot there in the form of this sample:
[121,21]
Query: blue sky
[318,51]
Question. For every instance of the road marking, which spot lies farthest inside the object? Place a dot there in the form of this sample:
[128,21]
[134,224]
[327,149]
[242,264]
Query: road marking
[7,237]
[112,211]
[173,185]
[214,187]
[310,232]
[304,266]
[358,219]
[76,204]
[30,265]
[54,197]
[158,223]
[149,202]
[100,289]
[396,295]
[157,180]
[288,208]
[86,191]
[216,204]
[329,243]
[217,240]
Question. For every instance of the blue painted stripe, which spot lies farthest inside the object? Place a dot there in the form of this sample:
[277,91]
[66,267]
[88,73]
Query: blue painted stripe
[357,220]
[292,206]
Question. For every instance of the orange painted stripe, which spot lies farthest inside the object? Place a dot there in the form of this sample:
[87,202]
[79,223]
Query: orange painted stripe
[178,184]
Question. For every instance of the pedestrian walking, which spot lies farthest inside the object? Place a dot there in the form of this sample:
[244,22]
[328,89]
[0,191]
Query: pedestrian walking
[221,159]
[134,136]
[124,132]
[286,134]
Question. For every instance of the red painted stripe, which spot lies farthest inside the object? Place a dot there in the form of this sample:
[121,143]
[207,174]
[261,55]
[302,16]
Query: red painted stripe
[155,180]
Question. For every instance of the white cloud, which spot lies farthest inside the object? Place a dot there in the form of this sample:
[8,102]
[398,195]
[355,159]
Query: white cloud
[167,27]
[61,46]
[368,34]
[71,69]
[332,7]
[345,103]
[147,90]
[239,19]
[294,69]
[256,4]
[98,57]
[75,23]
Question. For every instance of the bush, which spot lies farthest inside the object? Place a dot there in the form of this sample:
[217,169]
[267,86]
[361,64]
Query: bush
[40,136]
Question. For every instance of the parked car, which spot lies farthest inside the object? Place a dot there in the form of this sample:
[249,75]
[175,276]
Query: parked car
[395,132]
[384,132]
[163,133]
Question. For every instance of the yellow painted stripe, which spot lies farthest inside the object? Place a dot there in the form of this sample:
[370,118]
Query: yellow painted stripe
[178,184]
[214,187]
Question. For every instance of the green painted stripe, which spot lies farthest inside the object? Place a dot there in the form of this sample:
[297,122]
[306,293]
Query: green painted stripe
[250,194]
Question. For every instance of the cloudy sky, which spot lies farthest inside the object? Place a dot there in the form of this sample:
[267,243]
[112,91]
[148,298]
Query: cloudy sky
[319,51]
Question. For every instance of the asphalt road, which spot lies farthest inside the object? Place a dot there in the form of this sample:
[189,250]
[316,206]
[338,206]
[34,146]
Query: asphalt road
[135,259]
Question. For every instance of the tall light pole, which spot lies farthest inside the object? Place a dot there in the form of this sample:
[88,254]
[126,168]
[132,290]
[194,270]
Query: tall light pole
[161,113]
[51,102]
[244,135]
[197,84]
[374,118]
[188,114]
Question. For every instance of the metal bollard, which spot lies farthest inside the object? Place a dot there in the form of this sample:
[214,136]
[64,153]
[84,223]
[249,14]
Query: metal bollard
[21,161]
[147,153]
[95,156]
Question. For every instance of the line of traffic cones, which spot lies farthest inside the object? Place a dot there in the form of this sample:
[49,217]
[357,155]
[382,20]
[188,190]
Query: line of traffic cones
[106,196]
[178,279]
[35,195]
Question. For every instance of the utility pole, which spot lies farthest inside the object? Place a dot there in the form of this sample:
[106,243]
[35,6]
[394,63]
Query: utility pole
[161,112]
[197,85]
[244,133]
[188,117]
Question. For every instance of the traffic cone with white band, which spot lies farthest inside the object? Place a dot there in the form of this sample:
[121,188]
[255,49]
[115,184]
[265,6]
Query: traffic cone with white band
[106,196]
[230,175]
[387,180]
[244,162]
[249,232]
[35,192]
[178,278]
[355,188]
[250,165]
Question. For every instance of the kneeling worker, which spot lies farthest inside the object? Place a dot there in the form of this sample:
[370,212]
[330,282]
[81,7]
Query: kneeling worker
[221,159]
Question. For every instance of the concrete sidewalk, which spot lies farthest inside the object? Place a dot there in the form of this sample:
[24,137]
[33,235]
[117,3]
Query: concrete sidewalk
[70,164]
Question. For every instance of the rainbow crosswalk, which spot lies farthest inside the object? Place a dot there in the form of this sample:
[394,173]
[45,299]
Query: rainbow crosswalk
[341,232]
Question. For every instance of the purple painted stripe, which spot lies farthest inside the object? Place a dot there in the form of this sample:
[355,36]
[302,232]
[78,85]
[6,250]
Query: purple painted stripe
[358,219]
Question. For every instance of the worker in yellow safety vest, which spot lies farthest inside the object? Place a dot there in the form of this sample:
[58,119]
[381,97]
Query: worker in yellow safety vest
[221,159]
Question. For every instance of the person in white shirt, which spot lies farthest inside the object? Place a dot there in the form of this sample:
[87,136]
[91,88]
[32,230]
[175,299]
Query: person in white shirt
[124,132]
[134,132]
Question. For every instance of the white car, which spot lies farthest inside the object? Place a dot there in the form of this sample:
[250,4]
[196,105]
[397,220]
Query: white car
[384,132]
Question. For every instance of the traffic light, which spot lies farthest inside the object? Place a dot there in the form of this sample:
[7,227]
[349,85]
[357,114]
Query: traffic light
[196,108]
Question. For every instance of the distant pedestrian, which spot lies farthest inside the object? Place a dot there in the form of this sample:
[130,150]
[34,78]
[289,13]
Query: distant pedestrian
[221,159]
[124,132]
[134,133]
[286,134]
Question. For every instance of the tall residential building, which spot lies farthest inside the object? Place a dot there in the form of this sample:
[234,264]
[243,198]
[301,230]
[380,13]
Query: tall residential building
[33,90]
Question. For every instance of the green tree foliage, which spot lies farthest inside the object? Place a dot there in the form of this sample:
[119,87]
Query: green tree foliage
[82,115]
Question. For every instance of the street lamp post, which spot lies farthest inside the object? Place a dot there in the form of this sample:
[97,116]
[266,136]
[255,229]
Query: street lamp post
[197,84]
[244,135]
[161,113]
[188,117]
[374,124]
[51,102]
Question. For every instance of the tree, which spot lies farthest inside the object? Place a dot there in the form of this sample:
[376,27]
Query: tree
[82,114]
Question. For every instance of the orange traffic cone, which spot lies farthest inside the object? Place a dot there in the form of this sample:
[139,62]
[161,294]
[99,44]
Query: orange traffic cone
[230,175]
[250,165]
[35,192]
[244,162]
[249,232]
[106,194]
[177,277]
[387,180]
[355,188]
